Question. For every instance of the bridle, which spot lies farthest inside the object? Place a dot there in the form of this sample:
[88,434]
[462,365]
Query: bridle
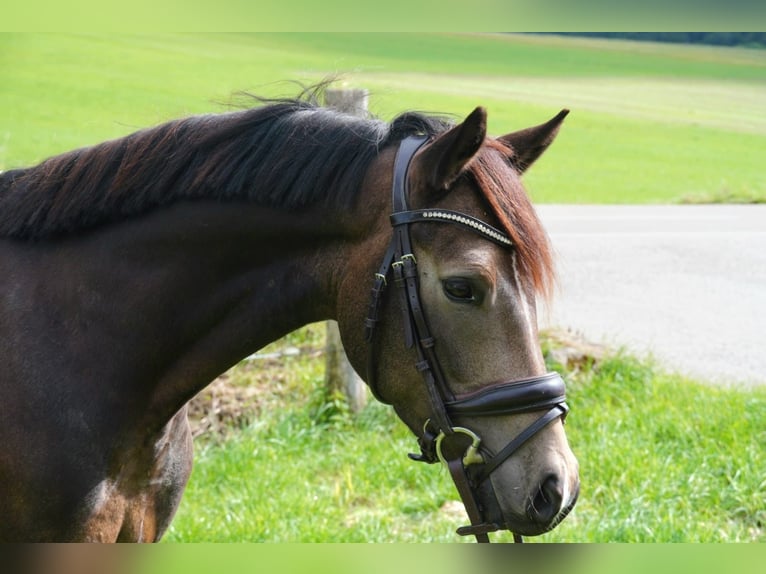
[470,466]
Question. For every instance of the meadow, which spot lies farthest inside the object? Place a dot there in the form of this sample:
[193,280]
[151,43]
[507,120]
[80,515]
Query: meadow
[662,458]
[650,123]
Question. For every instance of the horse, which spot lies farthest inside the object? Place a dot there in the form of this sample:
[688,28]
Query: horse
[135,271]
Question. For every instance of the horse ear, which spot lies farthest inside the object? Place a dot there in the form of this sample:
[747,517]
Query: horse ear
[443,160]
[529,144]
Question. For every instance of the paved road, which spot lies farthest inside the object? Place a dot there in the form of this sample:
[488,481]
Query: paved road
[686,284]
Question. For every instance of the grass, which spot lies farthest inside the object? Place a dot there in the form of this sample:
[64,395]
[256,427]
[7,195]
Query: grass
[662,459]
[650,123]
[669,460]
[724,196]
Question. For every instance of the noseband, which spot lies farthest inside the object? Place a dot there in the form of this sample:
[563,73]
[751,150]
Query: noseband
[469,466]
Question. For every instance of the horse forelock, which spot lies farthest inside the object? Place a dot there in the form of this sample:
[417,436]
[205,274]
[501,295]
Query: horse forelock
[287,154]
[504,192]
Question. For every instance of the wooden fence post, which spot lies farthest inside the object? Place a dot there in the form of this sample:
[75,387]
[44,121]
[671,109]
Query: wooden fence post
[340,376]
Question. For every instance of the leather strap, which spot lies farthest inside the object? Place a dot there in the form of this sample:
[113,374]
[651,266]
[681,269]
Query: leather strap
[490,465]
[400,188]
[457,471]
[523,396]
[417,333]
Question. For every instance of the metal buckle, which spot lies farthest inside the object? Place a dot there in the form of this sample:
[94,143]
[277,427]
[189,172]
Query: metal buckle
[405,257]
[471,456]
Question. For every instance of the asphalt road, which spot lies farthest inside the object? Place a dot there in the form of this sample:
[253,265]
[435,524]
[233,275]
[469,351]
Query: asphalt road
[685,284]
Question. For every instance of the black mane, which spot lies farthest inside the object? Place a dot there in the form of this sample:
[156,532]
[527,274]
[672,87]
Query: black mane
[287,154]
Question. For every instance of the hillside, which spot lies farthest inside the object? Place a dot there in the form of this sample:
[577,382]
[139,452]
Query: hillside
[650,122]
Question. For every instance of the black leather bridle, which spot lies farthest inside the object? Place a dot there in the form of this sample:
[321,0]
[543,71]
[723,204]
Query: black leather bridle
[470,466]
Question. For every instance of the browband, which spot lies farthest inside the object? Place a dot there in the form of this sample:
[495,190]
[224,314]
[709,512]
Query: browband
[448,216]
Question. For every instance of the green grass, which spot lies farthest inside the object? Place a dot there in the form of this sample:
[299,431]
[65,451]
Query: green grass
[651,123]
[724,196]
[662,459]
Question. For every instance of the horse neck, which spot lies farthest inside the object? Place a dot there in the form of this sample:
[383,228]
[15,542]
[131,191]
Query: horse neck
[196,287]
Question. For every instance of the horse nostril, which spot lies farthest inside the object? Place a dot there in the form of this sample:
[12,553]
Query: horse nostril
[546,504]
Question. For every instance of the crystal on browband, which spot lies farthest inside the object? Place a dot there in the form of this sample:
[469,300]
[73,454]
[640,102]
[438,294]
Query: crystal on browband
[447,216]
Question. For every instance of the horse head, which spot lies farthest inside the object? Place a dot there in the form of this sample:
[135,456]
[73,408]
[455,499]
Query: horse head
[452,328]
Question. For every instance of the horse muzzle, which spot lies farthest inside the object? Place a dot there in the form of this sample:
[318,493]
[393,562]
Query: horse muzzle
[544,510]
[475,469]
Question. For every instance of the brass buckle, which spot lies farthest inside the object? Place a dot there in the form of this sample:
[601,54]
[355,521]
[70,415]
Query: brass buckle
[472,454]
[406,257]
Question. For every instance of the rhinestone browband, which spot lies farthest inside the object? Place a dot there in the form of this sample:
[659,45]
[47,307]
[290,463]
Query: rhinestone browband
[447,216]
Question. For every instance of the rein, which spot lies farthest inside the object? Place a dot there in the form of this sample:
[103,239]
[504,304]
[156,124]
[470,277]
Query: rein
[441,438]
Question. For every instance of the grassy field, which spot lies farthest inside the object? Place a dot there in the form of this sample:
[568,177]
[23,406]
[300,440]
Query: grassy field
[662,459]
[650,122]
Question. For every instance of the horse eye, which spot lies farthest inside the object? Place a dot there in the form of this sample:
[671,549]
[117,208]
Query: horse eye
[459,290]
